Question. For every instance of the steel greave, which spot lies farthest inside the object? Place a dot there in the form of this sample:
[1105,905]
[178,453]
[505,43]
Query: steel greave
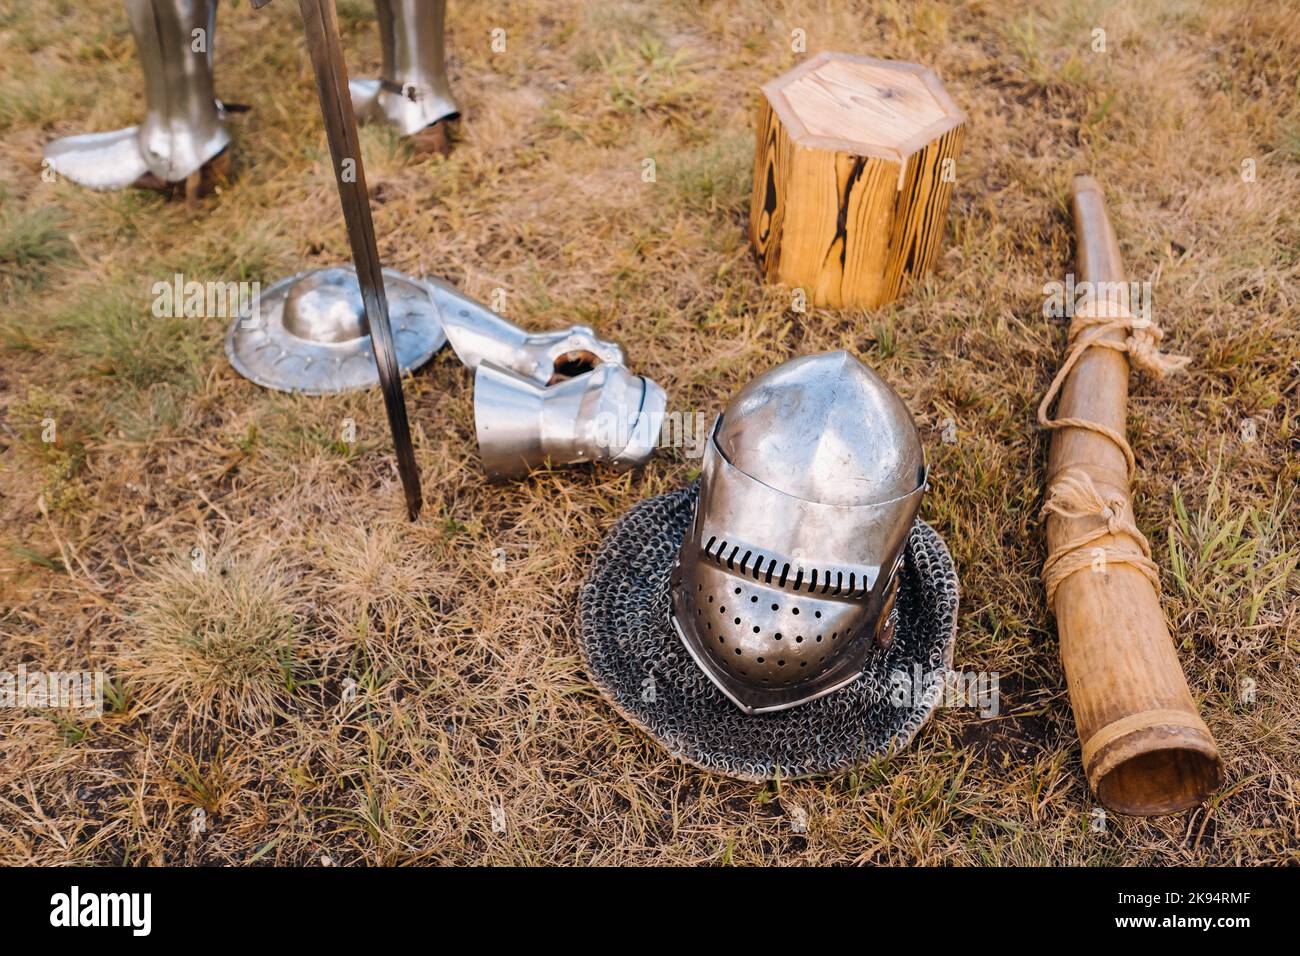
[183,126]
[414,91]
[605,415]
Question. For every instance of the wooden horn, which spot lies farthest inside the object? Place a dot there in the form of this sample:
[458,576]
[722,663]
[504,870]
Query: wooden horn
[1146,750]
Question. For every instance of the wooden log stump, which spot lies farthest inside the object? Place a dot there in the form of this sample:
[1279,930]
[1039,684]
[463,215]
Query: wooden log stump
[853,173]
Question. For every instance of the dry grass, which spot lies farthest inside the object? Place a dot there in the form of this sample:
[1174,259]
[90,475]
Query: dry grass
[340,684]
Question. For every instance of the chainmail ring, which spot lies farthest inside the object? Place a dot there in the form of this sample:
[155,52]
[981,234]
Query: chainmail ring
[638,663]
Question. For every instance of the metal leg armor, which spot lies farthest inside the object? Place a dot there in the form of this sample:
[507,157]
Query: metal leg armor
[413,91]
[562,397]
[477,334]
[607,414]
[182,128]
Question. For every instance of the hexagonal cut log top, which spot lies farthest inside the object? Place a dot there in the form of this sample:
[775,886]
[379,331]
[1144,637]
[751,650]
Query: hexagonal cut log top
[853,173]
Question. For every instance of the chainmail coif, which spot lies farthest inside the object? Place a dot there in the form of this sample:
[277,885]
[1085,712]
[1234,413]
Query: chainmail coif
[638,663]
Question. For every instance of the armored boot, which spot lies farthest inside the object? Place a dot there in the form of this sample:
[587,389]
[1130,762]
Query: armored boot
[413,94]
[183,128]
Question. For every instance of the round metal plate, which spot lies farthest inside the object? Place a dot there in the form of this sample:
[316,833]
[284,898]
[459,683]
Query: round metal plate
[264,348]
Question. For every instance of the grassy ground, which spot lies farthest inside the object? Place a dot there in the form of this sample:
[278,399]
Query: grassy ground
[342,686]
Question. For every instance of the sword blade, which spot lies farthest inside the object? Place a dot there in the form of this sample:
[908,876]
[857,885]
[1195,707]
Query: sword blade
[323,43]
